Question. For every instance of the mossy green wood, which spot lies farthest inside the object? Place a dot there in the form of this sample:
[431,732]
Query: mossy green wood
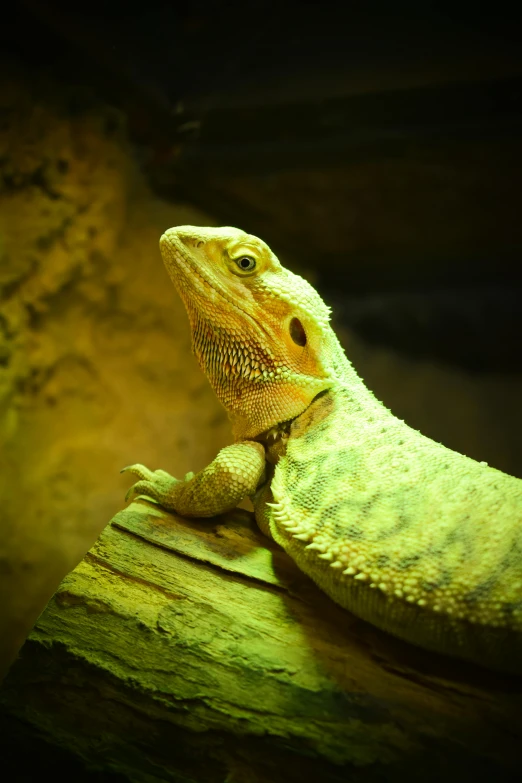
[197,651]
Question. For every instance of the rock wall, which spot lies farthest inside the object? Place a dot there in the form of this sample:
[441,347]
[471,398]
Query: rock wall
[95,363]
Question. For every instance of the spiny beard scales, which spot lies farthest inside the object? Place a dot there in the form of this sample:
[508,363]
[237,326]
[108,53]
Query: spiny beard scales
[228,359]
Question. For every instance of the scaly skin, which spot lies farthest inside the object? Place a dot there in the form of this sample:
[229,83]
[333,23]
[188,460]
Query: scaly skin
[417,539]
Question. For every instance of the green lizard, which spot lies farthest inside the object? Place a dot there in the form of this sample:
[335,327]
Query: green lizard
[412,537]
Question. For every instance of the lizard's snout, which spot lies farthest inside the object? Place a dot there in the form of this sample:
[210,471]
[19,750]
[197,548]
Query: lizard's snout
[190,236]
[167,239]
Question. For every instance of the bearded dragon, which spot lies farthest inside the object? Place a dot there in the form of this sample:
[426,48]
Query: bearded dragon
[414,538]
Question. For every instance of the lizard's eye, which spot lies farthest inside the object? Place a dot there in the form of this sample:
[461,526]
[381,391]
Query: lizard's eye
[297,332]
[246,263]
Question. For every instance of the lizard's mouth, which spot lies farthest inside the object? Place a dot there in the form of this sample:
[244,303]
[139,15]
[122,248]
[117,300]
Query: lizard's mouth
[224,356]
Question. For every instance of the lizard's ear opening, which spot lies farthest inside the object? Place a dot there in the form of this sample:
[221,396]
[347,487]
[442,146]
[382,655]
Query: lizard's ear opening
[297,332]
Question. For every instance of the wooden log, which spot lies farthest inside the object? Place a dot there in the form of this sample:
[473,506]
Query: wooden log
[196,651]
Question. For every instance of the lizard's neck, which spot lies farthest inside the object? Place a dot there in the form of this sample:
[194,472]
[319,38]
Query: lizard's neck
[278,405]
[260,376]
[253,379]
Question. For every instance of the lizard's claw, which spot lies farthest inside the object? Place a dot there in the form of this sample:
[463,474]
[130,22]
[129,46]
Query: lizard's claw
[154,484]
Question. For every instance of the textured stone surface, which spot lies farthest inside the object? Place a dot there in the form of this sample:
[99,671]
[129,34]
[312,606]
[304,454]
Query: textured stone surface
[196,651]
[95,365]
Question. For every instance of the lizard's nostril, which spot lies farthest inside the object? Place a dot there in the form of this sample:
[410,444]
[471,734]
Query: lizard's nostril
[200,243]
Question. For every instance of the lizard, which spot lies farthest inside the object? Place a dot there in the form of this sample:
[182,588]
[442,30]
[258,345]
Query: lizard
[416,539]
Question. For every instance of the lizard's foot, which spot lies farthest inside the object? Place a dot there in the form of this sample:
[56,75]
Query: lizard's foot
[156,485]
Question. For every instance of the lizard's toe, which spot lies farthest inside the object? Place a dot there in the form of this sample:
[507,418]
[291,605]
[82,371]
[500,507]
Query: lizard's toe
[163,474]
[155,485]
[145,488]
[139,470]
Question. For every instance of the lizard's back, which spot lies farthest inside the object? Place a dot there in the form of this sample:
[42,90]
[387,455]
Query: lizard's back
[416,538]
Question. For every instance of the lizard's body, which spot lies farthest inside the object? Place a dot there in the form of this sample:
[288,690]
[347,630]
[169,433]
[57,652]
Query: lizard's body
[409,535]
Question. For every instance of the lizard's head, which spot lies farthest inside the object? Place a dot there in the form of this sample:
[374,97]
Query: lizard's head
[260,333]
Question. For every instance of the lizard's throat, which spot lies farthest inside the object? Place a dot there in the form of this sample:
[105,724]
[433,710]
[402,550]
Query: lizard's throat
[258,390]
[228,361]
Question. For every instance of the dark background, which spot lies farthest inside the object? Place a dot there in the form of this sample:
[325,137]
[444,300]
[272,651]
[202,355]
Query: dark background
[376,144]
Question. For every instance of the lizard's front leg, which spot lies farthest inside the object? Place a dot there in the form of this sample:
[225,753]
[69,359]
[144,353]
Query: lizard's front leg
[235,473]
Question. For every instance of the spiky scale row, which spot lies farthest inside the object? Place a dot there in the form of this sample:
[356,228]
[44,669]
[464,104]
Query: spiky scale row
[462,594]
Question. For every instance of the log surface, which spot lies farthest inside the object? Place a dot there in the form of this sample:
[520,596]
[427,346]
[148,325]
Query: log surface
[195,651]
